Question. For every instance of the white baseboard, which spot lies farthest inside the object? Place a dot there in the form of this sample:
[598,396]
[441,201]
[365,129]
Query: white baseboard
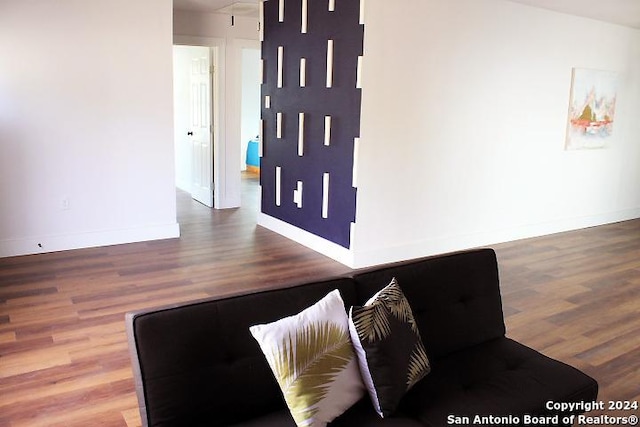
[55,243]
[417,249]
[318,244]
[360,258]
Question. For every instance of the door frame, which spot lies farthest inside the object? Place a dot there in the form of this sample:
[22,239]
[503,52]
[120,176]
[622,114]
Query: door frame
[233,125]
[217,47]
[243,44]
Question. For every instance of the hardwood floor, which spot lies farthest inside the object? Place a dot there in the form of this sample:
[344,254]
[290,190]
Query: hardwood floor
[63,353]
[575,296]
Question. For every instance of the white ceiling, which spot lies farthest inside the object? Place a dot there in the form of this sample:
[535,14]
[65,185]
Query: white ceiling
[211,6]
[623,12]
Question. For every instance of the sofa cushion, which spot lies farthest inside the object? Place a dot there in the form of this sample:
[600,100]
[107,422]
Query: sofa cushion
[457,292]
[389,348]
[312,358]
[362,415]
[281,418]
[359,415]
[500,377]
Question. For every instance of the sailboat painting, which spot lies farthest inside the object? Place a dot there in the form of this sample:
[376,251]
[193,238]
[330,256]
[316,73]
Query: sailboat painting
[592,108]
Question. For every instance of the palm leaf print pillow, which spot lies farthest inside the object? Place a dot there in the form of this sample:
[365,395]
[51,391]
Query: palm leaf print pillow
[390,352]
[312,358]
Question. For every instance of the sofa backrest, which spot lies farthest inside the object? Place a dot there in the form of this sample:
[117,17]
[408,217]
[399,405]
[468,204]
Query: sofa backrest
[197,364]
[455,298]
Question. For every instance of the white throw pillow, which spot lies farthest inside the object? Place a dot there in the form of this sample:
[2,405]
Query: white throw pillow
[312,358]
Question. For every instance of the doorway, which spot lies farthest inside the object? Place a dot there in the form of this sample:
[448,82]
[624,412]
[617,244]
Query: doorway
[250,121]
[194,94]
[250,106]
[233,61]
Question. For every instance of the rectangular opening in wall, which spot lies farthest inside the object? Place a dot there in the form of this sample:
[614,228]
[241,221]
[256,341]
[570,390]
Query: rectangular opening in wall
[329,63]
[303,28]
[303,72]
[297,195]
[325,195]
[356,154]
[327,130]
[278,185]
[279,125]
[300,134]
[280,66]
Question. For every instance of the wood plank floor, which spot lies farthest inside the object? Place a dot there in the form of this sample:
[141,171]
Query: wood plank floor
[63,353]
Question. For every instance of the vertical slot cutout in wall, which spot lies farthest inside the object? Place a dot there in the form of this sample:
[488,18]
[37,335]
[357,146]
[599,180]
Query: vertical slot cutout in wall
[278,185]
[329,63]
[303,72]
[280,66]
[301,134]
[325,195]
[356,155]
[279,125]
[303,27]
[352,232]
[267,102]
[281,11]
[261,72]
[297,195]
[327,130]
[359,73]
[332,5]
[362,6]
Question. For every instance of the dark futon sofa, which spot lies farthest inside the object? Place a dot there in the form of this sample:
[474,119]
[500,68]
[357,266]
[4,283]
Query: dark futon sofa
[196,364]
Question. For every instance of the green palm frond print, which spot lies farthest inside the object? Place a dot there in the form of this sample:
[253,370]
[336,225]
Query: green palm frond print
[388,314]
[372,323]
[398,304]
[418,366]
[308,364]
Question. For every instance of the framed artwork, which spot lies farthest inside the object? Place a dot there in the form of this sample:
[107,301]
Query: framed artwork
[592,108]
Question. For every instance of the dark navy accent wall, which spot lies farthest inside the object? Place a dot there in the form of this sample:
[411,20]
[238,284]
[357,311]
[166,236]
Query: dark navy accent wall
[341,101]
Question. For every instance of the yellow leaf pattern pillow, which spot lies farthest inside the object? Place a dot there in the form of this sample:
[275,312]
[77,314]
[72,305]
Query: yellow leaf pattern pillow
[312,358]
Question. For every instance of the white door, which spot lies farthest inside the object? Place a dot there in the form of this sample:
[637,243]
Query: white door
[201,132]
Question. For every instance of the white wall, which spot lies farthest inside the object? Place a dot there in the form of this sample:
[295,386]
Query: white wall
[85,116]
[463,124]
[208,29]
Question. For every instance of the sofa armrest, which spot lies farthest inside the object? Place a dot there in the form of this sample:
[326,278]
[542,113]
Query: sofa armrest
[135,367]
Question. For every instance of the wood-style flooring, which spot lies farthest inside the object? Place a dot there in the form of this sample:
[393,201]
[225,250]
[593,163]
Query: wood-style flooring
[64,361]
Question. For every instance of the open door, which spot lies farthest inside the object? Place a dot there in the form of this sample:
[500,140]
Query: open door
[201,130]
